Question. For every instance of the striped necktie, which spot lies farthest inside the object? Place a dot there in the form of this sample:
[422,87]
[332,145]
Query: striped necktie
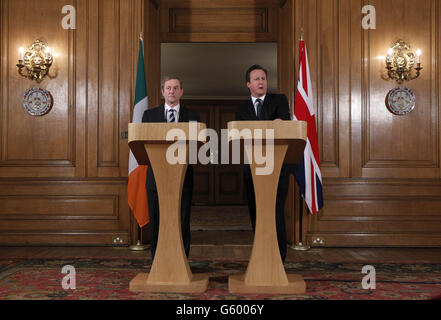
[171,115]
[259,108]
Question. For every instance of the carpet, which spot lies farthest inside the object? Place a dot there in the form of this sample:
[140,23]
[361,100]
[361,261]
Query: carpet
[108,279]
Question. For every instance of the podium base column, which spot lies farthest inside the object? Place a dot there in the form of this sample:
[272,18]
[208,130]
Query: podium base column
[198,284]
[296,285]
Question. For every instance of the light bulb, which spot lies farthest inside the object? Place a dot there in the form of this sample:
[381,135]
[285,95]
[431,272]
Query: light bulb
[418,53]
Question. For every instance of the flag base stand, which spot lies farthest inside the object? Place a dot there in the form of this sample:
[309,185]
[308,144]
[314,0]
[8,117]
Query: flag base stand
[138,247]
[301,247]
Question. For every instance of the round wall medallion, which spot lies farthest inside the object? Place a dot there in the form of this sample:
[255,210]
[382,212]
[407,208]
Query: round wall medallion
[37,101]
[401,100]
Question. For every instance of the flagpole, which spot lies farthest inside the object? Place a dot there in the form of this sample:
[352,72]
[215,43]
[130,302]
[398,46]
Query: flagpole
[300,246]
[139,246]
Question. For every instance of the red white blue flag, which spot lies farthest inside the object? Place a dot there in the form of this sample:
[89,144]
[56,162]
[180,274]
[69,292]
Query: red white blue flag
[307,173]
[136,192]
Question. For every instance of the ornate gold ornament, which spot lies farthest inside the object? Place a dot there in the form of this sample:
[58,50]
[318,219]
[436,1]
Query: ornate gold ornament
[36,60]
[400,62]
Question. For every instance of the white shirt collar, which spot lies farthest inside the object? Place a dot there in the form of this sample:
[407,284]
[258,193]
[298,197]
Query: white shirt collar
[261,98]
[254,101]
[167,107]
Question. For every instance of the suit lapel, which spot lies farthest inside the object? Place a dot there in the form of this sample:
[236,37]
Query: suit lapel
[251,110]
[160,116]
[265,107]
[182,114]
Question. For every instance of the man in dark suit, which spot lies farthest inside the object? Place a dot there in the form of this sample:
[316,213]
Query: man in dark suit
[265,106]
[170,111]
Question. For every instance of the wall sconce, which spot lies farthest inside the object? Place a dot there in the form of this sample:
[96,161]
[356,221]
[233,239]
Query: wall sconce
[400,62]
[37,59]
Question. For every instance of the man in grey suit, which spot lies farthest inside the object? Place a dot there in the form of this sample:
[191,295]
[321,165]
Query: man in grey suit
[265,106]
[170,111]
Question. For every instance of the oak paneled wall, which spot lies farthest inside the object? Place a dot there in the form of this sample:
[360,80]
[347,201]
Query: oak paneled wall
[219,20]
[51,143]
[63,176]
[68,212]
[414,153]
[381,172]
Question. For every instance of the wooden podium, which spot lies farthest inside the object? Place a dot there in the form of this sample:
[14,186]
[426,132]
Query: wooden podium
[170,271]
[265,272]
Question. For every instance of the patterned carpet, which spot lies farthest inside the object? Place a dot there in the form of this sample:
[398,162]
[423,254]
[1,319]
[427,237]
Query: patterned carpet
[108,279]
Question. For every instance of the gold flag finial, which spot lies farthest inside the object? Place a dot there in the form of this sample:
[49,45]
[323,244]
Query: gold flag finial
[301,34]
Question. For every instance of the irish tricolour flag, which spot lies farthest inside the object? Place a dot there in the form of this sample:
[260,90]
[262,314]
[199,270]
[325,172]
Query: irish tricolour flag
[137,194]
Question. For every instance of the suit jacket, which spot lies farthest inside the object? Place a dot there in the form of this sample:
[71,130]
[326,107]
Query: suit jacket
[157,114]
[274,106]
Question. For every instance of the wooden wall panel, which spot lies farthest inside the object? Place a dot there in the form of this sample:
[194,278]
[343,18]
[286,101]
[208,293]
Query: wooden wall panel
[108,102]
[63,176]
[152,52]
[48,206]
[412,148]
[326,27]
[381,172]
[73,212]
[219,21]
[247,20]
[49,144]
[110,85]
[380,212]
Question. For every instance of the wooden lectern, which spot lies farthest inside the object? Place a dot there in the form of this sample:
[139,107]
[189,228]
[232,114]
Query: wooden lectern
[265,272]
[170,271]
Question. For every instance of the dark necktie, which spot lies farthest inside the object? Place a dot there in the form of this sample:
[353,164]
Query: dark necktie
[259,108]
[171,116]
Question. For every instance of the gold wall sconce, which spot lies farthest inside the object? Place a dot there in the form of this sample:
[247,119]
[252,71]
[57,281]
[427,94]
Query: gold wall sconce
[400,62]
[36,60]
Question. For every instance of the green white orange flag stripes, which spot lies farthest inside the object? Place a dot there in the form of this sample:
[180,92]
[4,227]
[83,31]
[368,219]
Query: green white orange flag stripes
[137,194]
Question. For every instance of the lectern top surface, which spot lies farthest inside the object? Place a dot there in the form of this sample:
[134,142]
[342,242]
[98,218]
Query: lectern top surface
[281,129]
[167,132]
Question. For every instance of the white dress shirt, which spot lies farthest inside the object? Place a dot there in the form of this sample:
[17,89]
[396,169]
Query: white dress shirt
[254,102]
[167,107]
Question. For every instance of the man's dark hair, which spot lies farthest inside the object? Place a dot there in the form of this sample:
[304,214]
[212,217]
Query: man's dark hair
[252,68]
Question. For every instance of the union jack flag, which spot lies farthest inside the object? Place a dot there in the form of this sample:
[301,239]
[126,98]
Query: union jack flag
[307,173]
